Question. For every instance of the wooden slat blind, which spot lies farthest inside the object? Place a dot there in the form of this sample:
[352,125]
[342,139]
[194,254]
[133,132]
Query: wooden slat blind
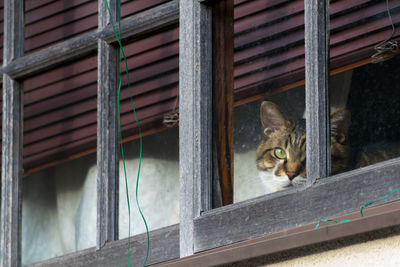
[153,69]
[48,22]
[129,7]
[60,111]
[269,43]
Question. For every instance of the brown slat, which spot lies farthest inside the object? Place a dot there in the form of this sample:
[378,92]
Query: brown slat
[60,153]
[54,8]
[58,115]
[147,100]
[155,55]
[60,73]
[154,111]
[151,42]
[58,128]
[237,2]
[367,28]
[291,23]
[62,33]
[89,117]
[270,73]
[132,7]
[352,32]
[60,87]
[60,101]
[60,20]
[343,5]
[32,4]
[252,6]
[152,70]
[60,140]
[361,14]
[282,41]
[298,21]
[151,85]
[269,16]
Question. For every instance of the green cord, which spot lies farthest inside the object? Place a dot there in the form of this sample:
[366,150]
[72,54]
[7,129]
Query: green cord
[118,37]
[329,220]
[378,199]
[361,209]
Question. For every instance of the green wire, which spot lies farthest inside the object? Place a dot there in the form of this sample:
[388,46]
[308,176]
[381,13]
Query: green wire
[378,199]
[118,37]
[361,209]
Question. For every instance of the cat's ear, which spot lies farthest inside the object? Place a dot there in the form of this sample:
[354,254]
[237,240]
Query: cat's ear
[272,118]
[340,122]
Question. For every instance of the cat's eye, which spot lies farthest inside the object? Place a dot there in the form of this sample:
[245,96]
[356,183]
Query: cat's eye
[279,153]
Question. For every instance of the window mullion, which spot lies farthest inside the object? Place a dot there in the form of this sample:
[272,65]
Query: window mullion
[317,74]
[107,134]
[195,83]
[222,99]
[12,138]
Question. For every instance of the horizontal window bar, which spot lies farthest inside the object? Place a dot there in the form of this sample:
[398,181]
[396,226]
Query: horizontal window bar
[164,245]
[377,218]
[333,196]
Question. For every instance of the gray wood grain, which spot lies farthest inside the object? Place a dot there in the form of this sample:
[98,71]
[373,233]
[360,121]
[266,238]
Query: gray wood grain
[336,195]
[107,135]
[145,22]
[116,253]
[12,134]
[134,26]
[317,74]
[195,83]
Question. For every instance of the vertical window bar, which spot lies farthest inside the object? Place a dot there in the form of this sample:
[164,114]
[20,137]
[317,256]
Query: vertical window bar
[195,83]
[107,134]
[12,136]
[317,74]
[222,102]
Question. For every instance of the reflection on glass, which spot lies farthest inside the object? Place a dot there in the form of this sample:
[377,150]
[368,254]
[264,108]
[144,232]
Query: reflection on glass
[59,210]
[158,186]
[371,94]
[270,147]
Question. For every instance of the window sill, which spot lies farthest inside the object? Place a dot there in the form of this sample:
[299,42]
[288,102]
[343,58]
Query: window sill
[376,218]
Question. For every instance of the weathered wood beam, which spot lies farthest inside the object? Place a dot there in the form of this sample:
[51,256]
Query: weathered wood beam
[115,253]
[145,22]
[12,134]
[317,75]
[195,83]
[107,133]
[223,102]
[338,195]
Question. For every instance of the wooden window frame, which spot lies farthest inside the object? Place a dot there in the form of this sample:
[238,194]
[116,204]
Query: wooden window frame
[201,228]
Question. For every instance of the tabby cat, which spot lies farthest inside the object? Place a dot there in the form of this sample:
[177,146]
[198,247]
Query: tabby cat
[281,155]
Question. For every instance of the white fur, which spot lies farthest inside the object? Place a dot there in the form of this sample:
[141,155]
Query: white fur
[273,183]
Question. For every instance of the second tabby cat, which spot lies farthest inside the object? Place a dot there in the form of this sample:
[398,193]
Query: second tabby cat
[281,155]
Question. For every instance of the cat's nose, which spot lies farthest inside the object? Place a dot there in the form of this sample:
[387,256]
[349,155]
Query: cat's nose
[291,174]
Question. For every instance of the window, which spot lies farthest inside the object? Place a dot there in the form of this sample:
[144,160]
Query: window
[208,217]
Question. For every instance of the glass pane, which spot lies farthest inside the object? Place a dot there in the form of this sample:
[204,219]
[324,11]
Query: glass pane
[269,148]
[59,210]
[60,123]
[370,95]
[269,66]
[158,182]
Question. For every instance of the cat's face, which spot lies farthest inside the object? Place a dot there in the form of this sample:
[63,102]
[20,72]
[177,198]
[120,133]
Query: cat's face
[281,155]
